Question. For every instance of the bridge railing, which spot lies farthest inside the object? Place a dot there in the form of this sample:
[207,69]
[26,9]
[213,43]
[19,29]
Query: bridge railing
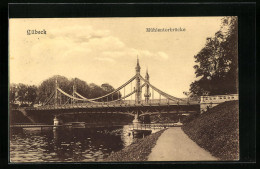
[150,126]
[124,102]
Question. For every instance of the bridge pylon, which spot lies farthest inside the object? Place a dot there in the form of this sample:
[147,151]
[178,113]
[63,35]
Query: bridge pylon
[136,118]
[138,94]
[56,93]
[147,93]
[74,91]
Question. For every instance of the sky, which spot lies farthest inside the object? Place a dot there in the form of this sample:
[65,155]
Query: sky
[105,50]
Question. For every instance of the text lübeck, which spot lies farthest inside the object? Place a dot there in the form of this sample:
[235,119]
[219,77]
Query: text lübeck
[36,32]
[180,29]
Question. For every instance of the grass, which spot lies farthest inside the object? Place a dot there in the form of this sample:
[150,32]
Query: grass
[139,150]
[217,131]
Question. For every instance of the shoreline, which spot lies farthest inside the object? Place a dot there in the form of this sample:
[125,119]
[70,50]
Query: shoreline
[139,150]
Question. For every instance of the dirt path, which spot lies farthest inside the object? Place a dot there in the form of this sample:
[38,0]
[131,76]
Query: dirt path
[175,145]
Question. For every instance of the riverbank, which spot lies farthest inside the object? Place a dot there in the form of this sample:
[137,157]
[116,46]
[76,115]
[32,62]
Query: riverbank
[139,150]
[217,130]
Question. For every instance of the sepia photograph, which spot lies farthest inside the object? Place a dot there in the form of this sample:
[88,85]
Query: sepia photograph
[123,89]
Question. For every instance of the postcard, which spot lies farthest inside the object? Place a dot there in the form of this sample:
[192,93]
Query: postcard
[123,89]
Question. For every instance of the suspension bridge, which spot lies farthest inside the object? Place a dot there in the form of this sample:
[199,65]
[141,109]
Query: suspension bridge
[118,101]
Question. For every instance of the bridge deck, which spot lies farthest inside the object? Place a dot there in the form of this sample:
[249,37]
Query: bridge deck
[32,125]
[129,103]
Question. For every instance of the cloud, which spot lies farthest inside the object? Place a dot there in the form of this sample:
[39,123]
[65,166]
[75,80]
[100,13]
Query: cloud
[163,55]
[78,33]
[83,43]
[108,43]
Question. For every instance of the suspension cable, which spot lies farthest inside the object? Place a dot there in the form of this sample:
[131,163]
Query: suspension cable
[130,94]
[49,98]
[68,95]
[152,94]
[119,88]
[161,92]
[131,90]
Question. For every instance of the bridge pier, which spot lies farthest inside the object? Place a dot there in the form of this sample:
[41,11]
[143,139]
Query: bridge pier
[56,122]
[136,122]
[136,119]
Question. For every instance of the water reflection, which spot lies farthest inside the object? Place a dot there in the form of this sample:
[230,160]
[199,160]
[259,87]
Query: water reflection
[67,145]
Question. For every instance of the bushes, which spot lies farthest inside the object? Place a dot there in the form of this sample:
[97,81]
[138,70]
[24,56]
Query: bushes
[139,150]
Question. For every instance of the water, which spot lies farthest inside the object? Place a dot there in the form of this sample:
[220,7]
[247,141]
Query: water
[67,145]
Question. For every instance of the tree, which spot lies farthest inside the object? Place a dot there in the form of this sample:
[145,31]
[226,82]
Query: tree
[22,92]
[217,62]
[31,94]
[81,87]
[107,88]
[47,87]
[95,91]
[13,93]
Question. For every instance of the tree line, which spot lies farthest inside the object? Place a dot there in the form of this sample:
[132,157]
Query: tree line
[31,94]
[216,66]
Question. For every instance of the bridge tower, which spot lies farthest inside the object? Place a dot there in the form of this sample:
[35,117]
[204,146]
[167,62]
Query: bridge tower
[138,95]
[74,91]
[147,93]
[56,93]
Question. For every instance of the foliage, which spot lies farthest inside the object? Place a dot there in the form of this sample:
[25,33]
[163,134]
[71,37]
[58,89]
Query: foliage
[81,87]
[95,90]
[217,62]
[31,94]
[47,87]
[22,93]
[12,93]
[139,150]
[107,88]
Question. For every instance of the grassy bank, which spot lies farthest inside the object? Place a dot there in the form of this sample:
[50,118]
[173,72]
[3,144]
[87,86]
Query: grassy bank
[139,150]
[217,130]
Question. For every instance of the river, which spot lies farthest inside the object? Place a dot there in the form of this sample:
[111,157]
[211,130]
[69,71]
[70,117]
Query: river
[67,145]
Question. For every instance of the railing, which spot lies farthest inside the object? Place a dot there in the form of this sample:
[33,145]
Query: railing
[150,126]
[218,98]
[32,125]
[154,102]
